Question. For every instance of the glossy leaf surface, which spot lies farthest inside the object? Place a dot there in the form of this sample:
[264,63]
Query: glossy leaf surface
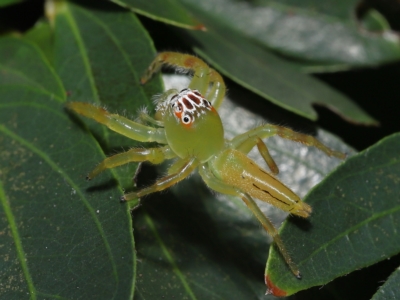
[355,221]
[167,11]
[320,31]
[100,56]
[269,76]
[60,239]
[390,289]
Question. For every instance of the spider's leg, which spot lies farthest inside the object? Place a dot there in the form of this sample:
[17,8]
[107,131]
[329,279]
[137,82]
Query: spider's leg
[119,124]
[203,75]
[250,142]
[219,186]
[145,117]
[164,182]
[153,155]
[268,130]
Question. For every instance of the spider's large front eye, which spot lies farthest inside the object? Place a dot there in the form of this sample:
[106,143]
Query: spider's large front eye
[186,119]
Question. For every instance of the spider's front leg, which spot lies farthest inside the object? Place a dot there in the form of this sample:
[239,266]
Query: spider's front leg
[186,168]
[153,155]
[119,124]
[203,75]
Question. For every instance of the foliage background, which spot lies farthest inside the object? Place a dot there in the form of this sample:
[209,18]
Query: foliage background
[61,238]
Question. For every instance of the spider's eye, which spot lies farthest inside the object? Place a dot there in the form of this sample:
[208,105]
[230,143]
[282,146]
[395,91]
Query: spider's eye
[186,119]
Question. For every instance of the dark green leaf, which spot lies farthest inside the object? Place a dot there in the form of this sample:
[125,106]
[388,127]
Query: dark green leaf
[374,21]
[390,289]
[9,2]
[168,11]
[59,239]
[354,224]
[42,35]
[322,31]
[100,55]
[269,76]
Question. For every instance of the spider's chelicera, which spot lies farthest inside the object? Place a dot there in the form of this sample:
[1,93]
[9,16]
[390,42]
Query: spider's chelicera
[189,129]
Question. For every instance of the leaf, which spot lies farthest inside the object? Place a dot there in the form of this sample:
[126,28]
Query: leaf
[41,35]
[168,11]
[269,76]
[100,55]
[192,243]
[59,239]
[390,289]
[321,31]
[9,2]
[354,222]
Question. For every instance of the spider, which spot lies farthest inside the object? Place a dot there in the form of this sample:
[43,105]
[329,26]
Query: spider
[188,128]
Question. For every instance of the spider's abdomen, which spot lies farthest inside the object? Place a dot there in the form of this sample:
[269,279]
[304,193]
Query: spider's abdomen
[192,125]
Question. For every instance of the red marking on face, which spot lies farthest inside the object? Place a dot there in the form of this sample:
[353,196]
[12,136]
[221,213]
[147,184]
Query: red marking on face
[273,289]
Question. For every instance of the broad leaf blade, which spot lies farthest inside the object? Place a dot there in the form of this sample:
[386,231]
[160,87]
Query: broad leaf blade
[167,11]
[60,238]
[100,55]
[354,221]
[9,2]
[269,76]
[42,36]
[390,289]
[321,31]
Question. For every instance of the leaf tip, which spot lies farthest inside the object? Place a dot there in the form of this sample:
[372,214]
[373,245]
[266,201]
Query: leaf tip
[273,289]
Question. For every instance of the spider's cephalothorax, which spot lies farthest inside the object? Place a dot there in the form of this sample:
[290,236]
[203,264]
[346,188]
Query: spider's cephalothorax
[186,115]
[189,128]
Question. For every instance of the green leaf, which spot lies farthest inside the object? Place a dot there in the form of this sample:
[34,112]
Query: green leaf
[321,31]
[42,35]
[390,289]
[100,55]
[354,222]
[59,239]
[194,244]
[168,11]
[269,76]
[9,2]
[375,21]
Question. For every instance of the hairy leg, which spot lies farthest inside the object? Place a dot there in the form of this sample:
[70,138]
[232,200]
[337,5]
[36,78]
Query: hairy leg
[250,142]
[153,155]
[164,182]
[221,187]
[119,124]
[268,130]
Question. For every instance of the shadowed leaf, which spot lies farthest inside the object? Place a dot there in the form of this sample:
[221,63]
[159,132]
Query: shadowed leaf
[354,223]
[60,238]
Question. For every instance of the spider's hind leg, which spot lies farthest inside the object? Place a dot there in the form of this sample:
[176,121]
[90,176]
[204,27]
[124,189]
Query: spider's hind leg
[220,186]
[250,142]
